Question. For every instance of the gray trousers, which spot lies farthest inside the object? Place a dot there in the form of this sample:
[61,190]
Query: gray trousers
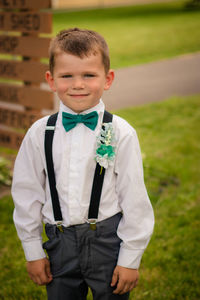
[82,258]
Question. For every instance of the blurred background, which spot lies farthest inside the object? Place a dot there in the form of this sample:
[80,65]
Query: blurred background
[80,4]
[155,51]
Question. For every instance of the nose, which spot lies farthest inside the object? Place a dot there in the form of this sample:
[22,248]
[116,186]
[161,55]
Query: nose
[78,83]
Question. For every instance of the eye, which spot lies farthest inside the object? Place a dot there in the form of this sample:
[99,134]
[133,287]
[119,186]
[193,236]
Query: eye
[89,75]
[66,76]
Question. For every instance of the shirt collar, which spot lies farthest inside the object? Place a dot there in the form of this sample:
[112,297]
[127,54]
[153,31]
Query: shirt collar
[100,107]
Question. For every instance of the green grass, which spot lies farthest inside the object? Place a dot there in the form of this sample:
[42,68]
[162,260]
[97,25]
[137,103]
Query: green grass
[16,284]
[140,34]
[169,137]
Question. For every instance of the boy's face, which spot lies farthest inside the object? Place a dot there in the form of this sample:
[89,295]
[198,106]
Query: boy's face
[79,82]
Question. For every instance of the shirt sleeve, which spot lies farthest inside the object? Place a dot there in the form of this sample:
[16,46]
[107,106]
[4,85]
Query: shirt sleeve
[29,196]
[136,225]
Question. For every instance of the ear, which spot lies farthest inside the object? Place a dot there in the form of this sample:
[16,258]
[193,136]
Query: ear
[109,79]
[50,80]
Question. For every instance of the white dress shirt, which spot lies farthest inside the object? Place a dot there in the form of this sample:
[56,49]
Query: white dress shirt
[74,163]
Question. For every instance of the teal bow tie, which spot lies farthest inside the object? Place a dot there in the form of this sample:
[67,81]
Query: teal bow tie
[70,121]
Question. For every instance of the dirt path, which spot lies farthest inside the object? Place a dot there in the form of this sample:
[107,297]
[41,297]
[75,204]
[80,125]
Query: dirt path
[156,81]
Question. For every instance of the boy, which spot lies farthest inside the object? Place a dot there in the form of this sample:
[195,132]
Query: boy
[102,252]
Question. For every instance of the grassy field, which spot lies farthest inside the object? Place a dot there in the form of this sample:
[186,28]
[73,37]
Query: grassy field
[142,33]
[169,136]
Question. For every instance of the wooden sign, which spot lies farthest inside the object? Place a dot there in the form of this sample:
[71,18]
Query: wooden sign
[32,97]
[24,18]
[23,70]
[10,139]
[17,119]
[26,21]
[25,4]
[25,46]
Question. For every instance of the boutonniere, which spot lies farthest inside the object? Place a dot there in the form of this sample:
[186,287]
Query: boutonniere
[105,146]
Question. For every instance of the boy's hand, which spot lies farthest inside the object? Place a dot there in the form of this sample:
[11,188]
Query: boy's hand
[39,271]
[125,278]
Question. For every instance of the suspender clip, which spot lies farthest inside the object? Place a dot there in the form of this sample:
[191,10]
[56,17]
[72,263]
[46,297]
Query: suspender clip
[59,226]
[92,223]
[97,181]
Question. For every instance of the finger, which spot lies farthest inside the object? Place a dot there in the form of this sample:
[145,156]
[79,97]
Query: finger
[126,289]
[44,279]
[39,281]
[120,287]
[114,279]
[36,279]
[48,272]
[133,285]
[136,282]
[41,278]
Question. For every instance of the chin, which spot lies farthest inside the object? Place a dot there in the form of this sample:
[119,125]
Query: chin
[78,109]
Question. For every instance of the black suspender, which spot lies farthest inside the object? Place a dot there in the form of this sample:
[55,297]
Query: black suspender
[97,181]
[48,141]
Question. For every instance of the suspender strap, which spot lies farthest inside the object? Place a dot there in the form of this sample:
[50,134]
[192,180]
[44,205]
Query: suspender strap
[98,181]
[98,176]
[49,134]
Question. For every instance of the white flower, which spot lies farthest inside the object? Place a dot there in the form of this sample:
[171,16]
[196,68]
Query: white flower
[105,150]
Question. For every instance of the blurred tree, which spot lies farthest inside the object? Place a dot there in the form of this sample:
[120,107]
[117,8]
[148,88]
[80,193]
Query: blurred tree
[193,4]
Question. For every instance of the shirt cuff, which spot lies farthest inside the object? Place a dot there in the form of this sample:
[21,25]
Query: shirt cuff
[33,250]
[130,258]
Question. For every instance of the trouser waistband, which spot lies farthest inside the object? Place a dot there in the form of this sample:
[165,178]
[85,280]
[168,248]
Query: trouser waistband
[104,225]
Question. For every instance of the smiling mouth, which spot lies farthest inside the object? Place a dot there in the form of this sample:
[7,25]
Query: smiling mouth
[78,95]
